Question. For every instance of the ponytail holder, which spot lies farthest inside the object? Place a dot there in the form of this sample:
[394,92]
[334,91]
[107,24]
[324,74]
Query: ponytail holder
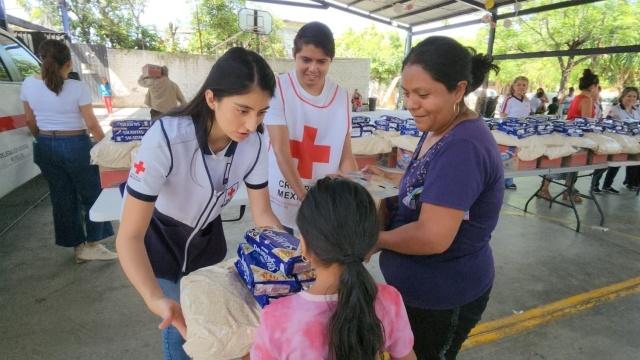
[351,259]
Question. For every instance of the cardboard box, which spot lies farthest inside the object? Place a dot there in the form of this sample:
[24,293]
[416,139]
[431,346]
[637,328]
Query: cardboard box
[579,158]
[510,160]
[364,160]
[594,159]
[546,163]
[618,157]
[150,70]
[112,177]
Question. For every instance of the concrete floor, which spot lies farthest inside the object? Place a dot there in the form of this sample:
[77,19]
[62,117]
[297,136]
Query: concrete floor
[55,309]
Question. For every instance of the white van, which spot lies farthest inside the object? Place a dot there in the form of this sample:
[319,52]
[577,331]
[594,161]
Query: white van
[16,142]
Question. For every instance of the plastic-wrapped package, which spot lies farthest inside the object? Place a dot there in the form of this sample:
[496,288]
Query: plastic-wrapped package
[606,145]
[220,313]
[111,154]
[555,152]
[629,144]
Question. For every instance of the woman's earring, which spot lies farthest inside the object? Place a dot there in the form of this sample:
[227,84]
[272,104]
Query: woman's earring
[456,109]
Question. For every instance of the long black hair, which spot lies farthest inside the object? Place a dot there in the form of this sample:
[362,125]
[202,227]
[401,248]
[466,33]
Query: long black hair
[236,72]
[338,222]
[54,55]
[588,79]
[448,62]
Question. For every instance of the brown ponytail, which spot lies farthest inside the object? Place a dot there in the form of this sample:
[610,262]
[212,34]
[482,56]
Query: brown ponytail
[54,55]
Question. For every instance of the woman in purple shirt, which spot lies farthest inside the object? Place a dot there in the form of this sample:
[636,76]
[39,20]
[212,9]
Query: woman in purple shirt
[436,248]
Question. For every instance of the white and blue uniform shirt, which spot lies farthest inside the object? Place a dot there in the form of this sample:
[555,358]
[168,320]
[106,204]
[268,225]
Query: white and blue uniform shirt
[190,186]
[514,107]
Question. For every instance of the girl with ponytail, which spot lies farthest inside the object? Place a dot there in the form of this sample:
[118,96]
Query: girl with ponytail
[345,314]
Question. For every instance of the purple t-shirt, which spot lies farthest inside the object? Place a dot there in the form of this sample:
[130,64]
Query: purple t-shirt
[461,171]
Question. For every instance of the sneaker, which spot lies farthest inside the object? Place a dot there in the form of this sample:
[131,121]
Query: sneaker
[511,187]
[611,190]
[596,190]
[92,251]
[632,188]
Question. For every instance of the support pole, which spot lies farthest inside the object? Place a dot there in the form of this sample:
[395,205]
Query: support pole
[407,49]
[3,16]
[482,107]
[62,4]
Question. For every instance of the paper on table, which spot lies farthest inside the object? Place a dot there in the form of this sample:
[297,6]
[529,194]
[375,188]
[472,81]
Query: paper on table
[379,187]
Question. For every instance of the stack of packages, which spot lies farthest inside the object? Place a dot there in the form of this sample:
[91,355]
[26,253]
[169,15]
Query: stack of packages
[129,130]
[271,266]
[402,134]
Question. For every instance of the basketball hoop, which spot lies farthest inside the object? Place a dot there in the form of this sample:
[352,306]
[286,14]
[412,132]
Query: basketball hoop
[254,21]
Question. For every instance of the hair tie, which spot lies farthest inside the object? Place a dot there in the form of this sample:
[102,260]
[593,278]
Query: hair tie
[352,259]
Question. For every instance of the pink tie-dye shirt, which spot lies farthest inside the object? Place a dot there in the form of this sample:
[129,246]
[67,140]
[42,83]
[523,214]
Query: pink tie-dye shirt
[296,327]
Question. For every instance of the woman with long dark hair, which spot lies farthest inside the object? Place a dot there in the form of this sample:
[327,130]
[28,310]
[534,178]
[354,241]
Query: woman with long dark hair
[59,113]
[344,315]
[189,167]
[436,248]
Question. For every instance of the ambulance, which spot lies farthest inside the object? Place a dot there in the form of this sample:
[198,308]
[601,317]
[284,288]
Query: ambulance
[16,143]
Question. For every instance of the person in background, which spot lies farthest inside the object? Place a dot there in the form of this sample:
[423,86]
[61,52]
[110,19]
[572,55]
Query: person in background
[58,113]
[435,249]
[344,314]
[538,102]
[163,94]
[356,101]
[583,106]
[598,103]
[104,90]
[627,110]
[189,166]
[566,101]
[552,109]
[309,123]
[516,105]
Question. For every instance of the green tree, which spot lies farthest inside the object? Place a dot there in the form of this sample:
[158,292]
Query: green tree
[215,24]
[585,26]
[115,23]
[385,49]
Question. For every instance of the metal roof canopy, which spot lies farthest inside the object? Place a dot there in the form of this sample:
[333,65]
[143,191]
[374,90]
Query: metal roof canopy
[424,12]
[420,13]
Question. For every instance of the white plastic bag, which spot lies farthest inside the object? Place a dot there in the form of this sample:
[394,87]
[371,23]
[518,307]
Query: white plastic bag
[554,152]
[629,145]
[606,145]
[405,142]
[370,145]
[505,139]
[113,154]
[220,313]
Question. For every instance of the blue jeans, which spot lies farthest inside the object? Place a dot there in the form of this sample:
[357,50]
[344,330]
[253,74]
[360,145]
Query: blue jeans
[74,186]
[172,341]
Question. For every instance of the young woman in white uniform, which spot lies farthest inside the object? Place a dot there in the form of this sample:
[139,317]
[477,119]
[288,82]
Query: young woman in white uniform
[188,168]
[309,124]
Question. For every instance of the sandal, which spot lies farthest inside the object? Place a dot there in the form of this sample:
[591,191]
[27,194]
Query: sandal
[576,197]
[544,194]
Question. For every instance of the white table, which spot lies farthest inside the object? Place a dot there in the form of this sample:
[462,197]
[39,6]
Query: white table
[109,204]
[402,114]
[569,189]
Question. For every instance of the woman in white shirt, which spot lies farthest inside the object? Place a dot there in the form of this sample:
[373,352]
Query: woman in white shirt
[516,105]
[58,113]
[628,110]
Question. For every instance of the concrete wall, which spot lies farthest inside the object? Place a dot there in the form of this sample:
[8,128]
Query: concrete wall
[189,72]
